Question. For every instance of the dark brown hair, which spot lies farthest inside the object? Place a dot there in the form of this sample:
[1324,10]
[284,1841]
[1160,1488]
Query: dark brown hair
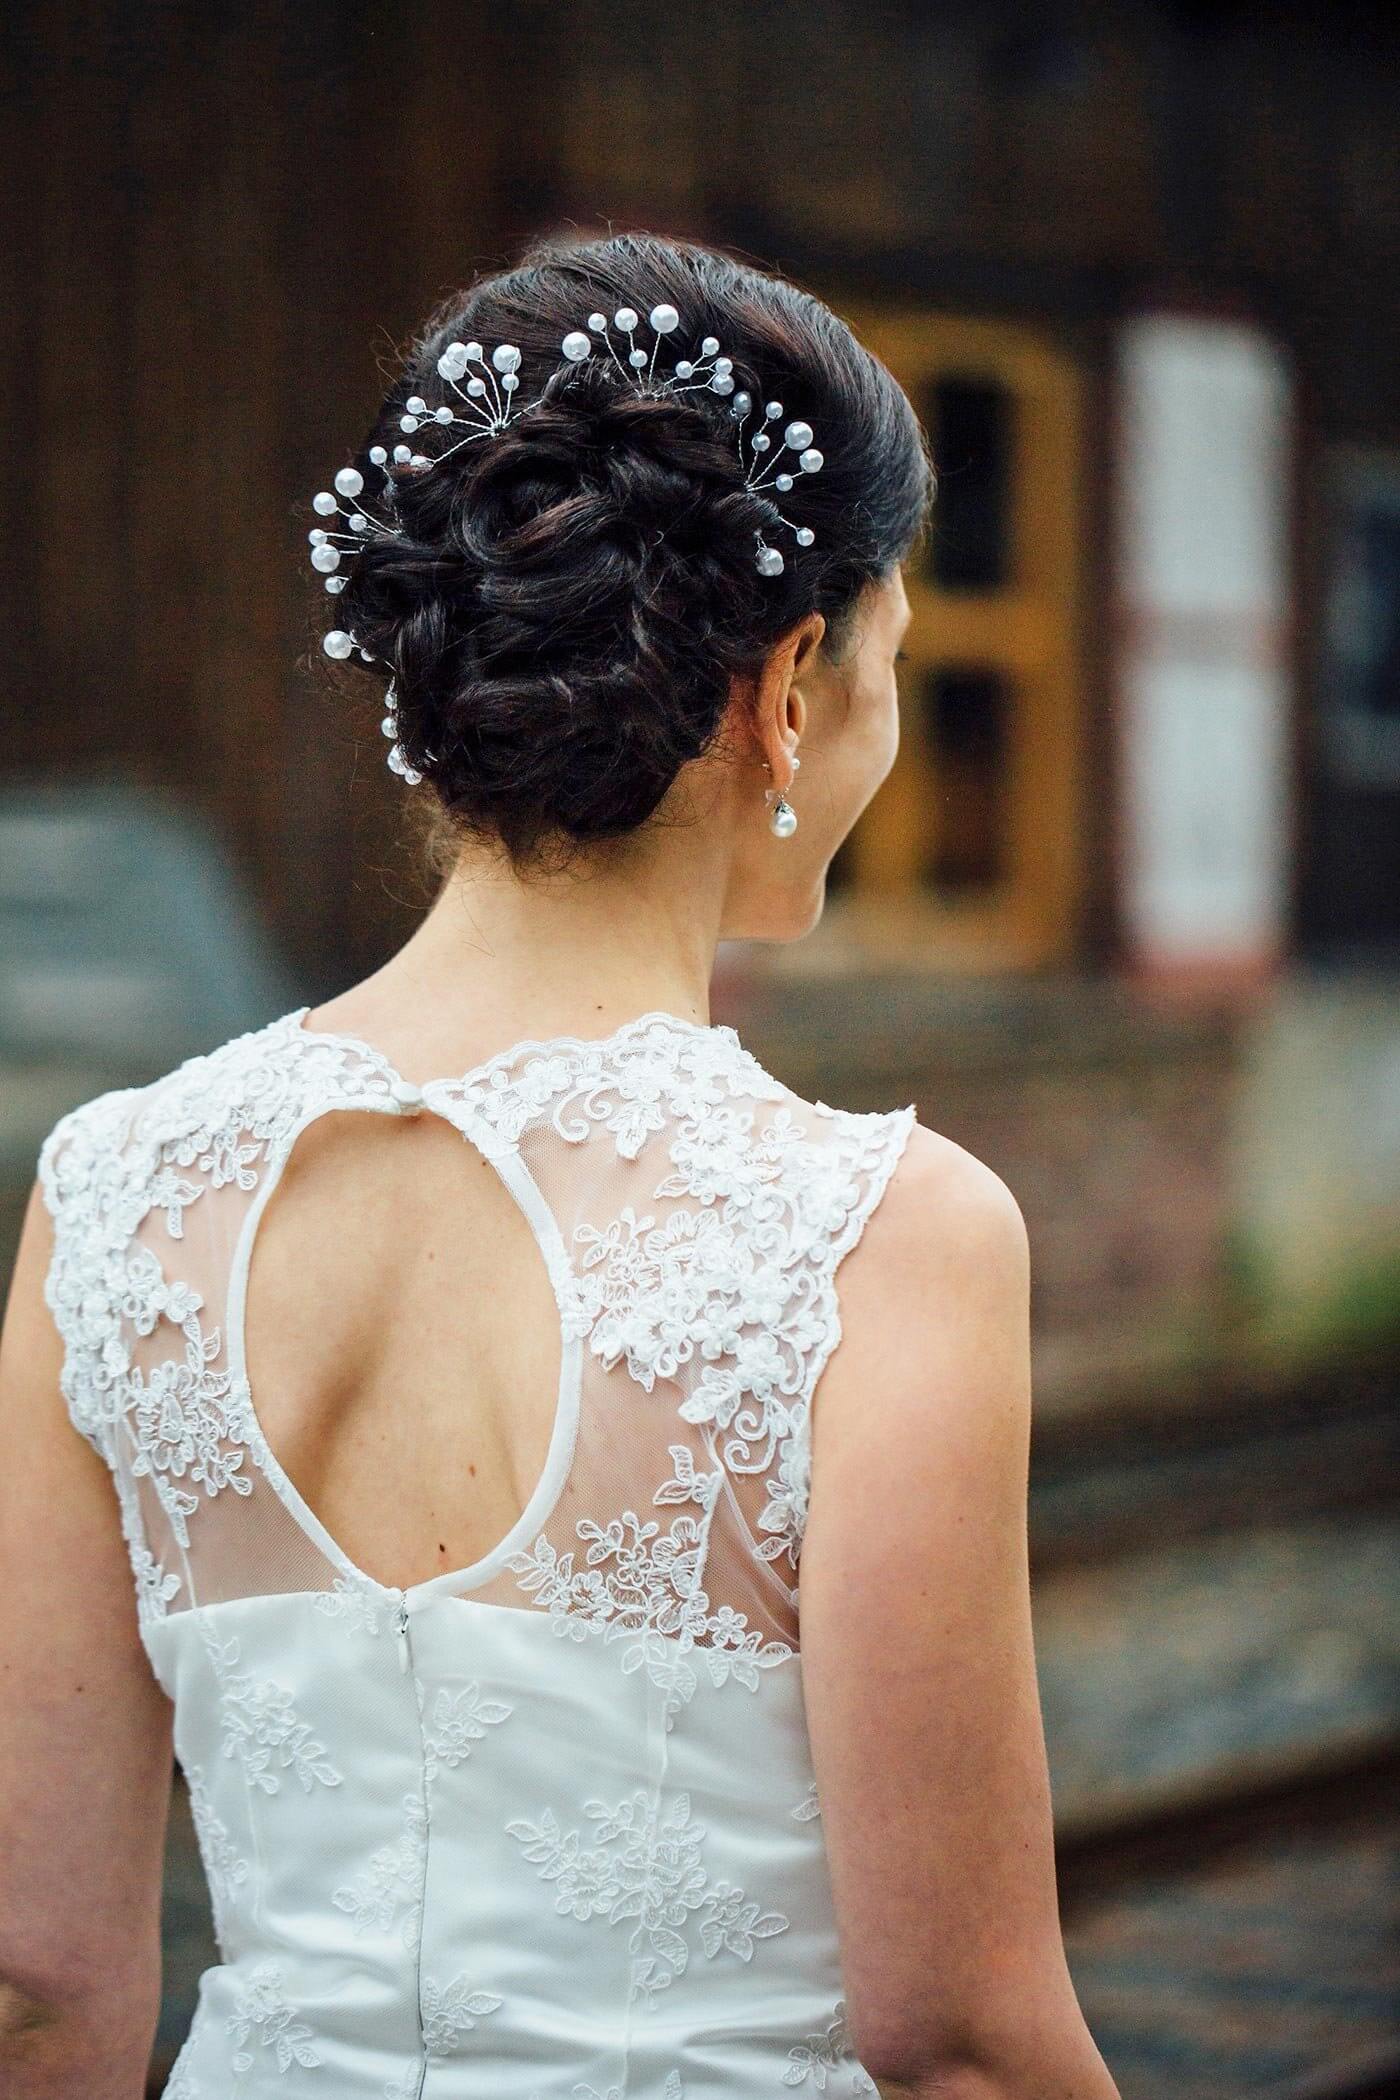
[565,605]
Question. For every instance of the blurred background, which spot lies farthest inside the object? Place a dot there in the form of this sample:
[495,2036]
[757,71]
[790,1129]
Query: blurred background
[1124,920]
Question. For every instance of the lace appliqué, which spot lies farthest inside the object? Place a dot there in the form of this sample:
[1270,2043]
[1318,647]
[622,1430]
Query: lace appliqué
[813,2061]
[744,1285]
[642,1586]
[645,1862]
[262,2009]
[353,1604]
[260,1725]
[387,1894]
[458,1720]
[451,2010]
[808,1808]
[225,1868]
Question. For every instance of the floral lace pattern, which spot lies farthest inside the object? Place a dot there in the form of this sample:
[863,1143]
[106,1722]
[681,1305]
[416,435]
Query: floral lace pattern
[262,2011]
[225,1868]
[386,1895]
[451,2010]
[260,1724]
[812,2062]
[642,1586]
[711,1292]
[645,1862]
[457,1720]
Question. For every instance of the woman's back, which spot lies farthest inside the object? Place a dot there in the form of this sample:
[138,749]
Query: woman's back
[526,1808]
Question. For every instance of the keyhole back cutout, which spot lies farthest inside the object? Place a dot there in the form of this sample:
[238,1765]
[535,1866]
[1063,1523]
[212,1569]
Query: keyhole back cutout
[394,1309]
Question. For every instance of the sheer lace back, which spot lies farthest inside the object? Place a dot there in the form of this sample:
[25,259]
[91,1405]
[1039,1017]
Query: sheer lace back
[691,1213]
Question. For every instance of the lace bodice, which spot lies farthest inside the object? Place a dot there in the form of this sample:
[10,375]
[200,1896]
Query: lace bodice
[543,1827]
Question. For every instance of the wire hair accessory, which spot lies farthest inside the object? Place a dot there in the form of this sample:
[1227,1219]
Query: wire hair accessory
[486,391]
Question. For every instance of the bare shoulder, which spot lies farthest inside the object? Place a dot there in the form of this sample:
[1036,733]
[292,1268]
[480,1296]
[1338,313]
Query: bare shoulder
[946,1218]
[935,1322]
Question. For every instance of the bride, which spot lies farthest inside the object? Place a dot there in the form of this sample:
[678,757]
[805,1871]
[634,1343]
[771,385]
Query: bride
[558,1493]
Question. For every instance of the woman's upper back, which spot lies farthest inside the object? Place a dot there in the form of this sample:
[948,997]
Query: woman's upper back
[388,1764]
[635,1250]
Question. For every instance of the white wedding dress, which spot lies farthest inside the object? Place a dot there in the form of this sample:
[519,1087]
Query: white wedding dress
[544,1828]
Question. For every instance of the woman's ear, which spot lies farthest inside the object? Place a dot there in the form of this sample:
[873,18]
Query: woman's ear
[779,710]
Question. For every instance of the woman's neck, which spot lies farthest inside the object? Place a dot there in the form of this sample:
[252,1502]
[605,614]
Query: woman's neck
[498,958]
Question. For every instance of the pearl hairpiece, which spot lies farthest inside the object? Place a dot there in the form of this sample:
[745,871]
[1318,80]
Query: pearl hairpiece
[489,405]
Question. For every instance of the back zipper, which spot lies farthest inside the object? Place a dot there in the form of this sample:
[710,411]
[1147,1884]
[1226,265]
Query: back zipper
[401,1628]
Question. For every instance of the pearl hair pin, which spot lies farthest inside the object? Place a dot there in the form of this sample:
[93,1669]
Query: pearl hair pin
[489,403]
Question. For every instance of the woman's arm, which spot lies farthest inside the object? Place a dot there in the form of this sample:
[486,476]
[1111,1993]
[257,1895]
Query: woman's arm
[85,1748]
[918,1665]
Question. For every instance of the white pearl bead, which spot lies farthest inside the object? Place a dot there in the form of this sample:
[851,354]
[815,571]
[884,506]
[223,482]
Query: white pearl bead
[368,655]
[408,422]
[637,358]
[783,482]
[773,410]
[325,559]
[798,436]
[443,414]
[761,441]
[810,461]
[742,403]
[805,535]
[378,456]
[402,454]
[474,353]
[626,317]
[597,322]
[476,386]
[576,346]
[721,384]
[709,346]
[724,364]
[505,357]
[389,725]
[418,459]
[336,583]
[317,535]
[416,406]
[338,643]
[510,382]
[452,364]
[324,502]
[359,523]
[770,561]
[664,319]
[783,820]
[684,368]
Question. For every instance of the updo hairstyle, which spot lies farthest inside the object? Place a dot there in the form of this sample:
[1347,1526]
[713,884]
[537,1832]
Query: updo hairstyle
[567,602]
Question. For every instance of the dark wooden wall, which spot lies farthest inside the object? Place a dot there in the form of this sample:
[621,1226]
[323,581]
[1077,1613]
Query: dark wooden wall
[220,222]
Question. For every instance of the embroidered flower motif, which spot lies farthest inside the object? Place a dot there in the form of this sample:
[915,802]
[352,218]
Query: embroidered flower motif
[645,1863]
[641,1585]
[460,1719]
[225,1869]
[260,1724]
[353,1603]
[262,2007]
[452,2010]
[809,1807]
[387,1894]
[812,2061]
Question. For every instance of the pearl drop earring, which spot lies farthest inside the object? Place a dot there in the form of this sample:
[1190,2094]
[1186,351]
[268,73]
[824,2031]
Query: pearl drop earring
[782,818]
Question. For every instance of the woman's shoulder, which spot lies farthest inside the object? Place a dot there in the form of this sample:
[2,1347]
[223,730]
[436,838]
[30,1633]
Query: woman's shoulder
[947,1230]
